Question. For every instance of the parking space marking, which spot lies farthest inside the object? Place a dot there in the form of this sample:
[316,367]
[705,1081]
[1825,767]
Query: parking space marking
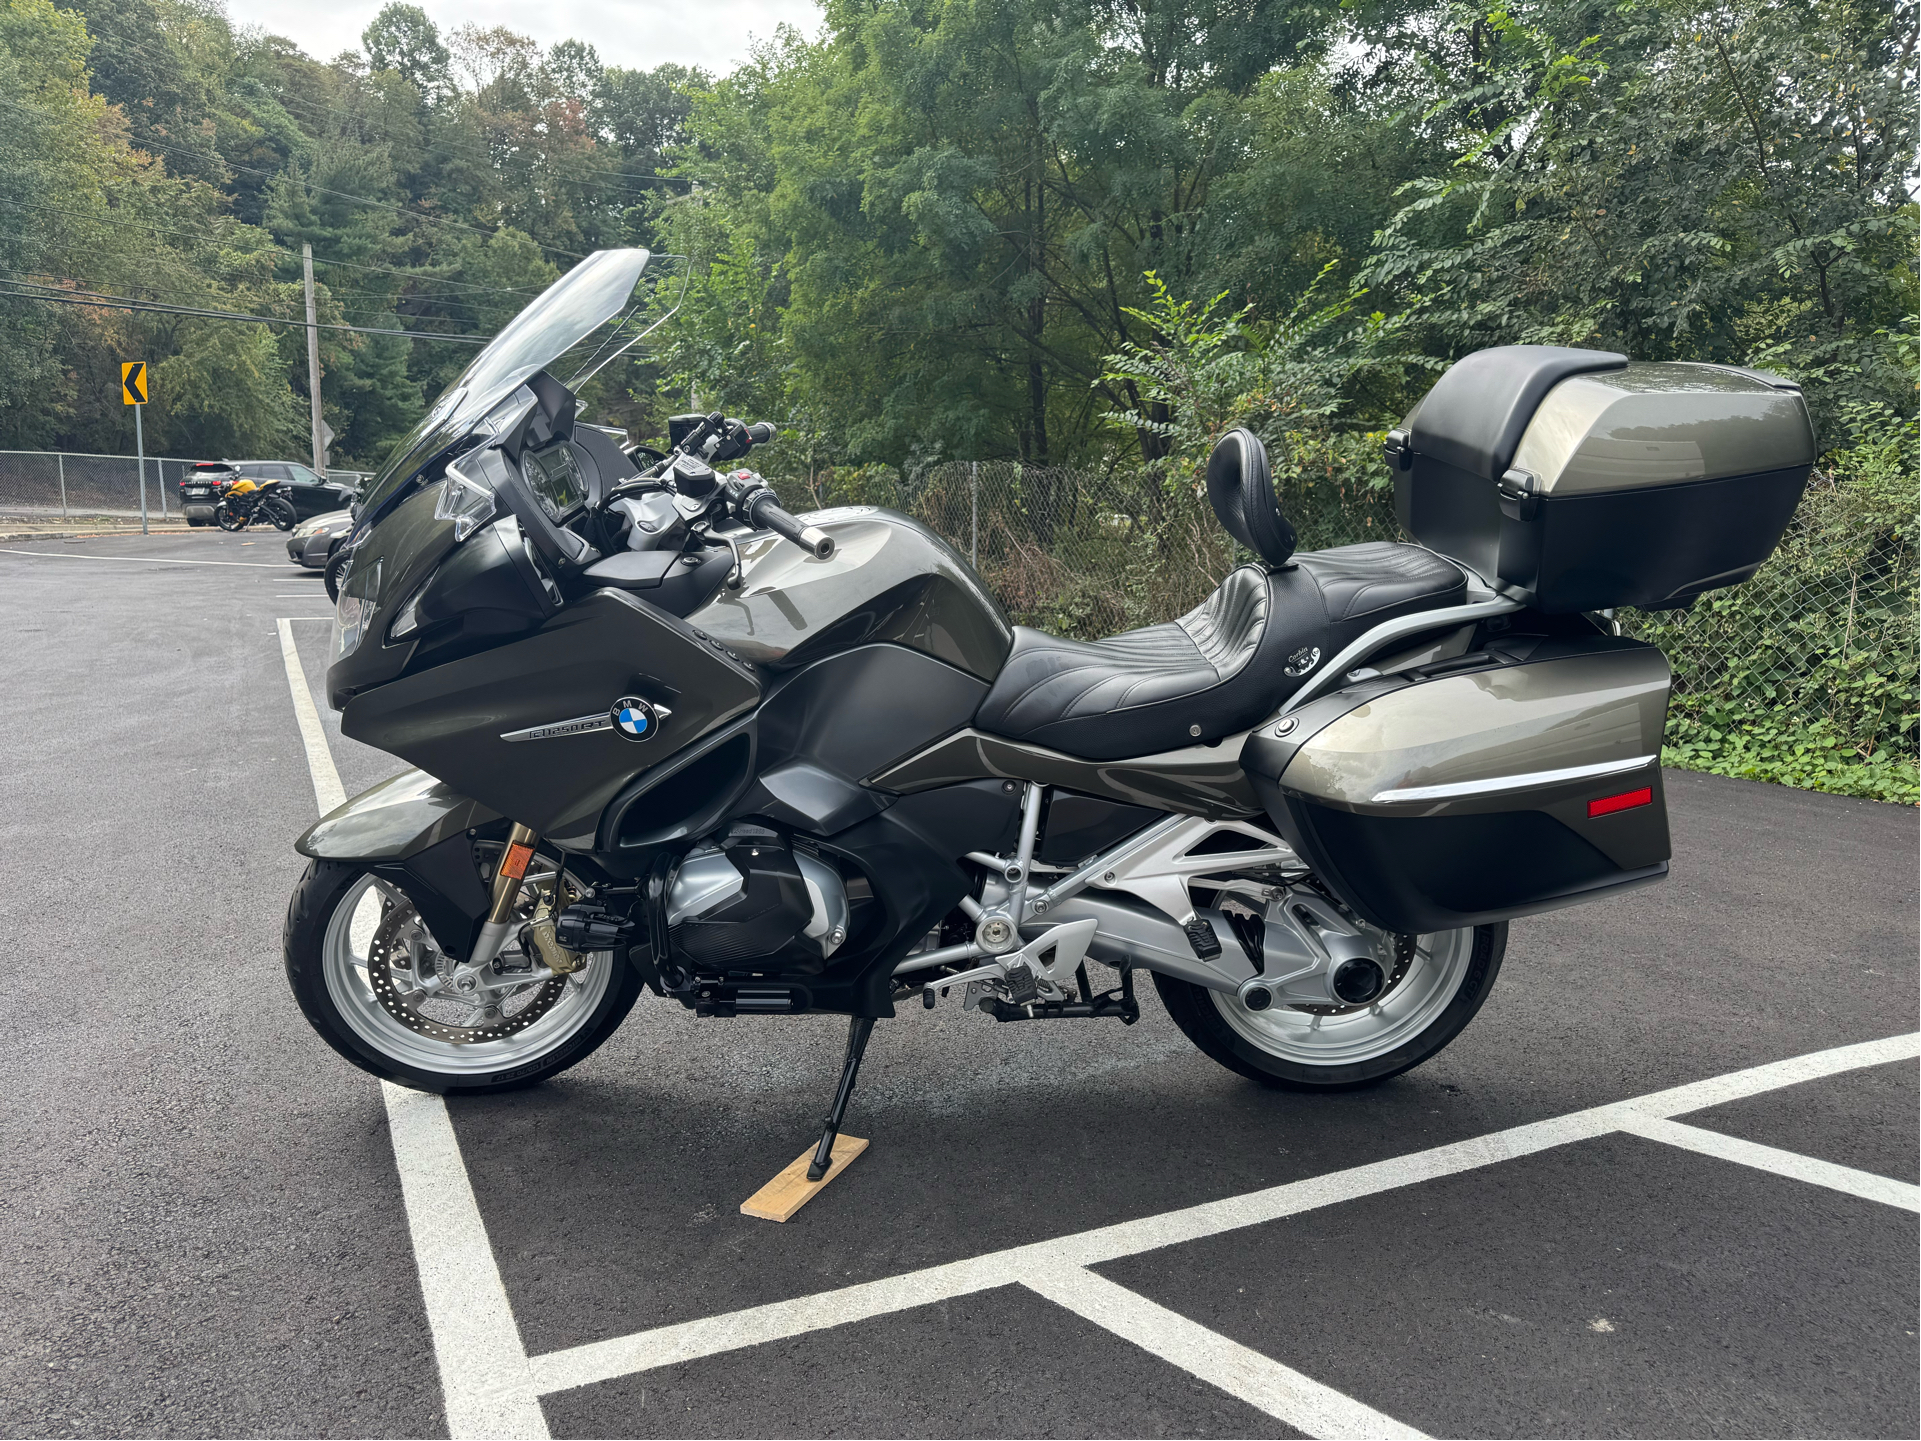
[597,1361]
[1865,1184]
[1242,1372]
[484,1377]
[146,559]
[492,1387]
[483,1364]
[327,789]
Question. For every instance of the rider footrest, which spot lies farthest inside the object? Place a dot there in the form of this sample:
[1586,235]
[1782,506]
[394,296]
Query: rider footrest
[1020,983]
[1200,935]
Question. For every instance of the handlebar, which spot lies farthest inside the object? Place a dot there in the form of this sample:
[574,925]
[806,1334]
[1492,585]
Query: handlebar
[762,508]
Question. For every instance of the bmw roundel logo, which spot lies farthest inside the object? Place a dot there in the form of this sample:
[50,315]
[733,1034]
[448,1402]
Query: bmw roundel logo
[635,718]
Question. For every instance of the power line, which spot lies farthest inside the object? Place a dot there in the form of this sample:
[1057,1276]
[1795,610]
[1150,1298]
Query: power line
[127,220]
[194,295]
[58,295]
[321,189]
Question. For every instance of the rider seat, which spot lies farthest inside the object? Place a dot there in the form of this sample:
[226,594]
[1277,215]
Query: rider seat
[1232,660]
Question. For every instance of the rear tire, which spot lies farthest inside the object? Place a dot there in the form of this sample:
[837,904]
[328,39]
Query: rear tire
[1243,1045]
[352,1023]
[279,514]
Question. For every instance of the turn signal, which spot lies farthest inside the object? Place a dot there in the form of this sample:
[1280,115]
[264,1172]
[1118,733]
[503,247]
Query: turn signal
[1626,801]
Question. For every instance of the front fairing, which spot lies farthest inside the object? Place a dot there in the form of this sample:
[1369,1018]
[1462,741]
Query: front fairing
[403,550]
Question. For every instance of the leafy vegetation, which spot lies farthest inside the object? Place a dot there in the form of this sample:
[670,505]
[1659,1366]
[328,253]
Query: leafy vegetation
[1072,240]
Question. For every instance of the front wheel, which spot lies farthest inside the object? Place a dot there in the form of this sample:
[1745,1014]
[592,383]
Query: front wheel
[1437,985]
[228,518]
[370,979]
[334,573]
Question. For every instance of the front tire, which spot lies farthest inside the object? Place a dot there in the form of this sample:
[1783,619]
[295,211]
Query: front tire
[1342,1049]
[334,572]
[331,919]
[229,519]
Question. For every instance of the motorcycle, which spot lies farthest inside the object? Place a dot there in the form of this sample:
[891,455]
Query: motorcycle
[671,738]
[245,501]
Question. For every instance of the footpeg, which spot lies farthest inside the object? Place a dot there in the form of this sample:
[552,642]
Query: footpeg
[1200,935]
[1020,984]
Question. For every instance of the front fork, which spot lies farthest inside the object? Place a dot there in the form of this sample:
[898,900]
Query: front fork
[500,911]
[500,923]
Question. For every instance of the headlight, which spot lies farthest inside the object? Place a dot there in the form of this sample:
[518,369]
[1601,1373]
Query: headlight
[359,594]
[467,503]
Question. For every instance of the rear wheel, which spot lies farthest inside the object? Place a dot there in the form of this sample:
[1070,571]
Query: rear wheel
[277,513]
[370,979]
[1437,985]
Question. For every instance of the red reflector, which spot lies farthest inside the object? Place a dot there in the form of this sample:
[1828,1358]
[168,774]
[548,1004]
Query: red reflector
[1626,801]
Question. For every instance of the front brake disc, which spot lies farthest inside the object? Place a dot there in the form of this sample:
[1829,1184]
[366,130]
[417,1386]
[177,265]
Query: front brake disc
[398,960]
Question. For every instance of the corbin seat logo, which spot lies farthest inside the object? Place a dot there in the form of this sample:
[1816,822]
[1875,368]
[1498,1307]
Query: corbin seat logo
[1302,661]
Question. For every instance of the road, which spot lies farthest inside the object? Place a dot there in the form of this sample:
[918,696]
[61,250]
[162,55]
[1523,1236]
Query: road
[1059,1229]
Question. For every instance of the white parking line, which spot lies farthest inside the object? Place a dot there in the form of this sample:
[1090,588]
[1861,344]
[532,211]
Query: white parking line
[484,1376]
[493,1387]
[1242,1372]
[597,1361]
[144,559]
[1865,1184]
[483,1365]
[327,790]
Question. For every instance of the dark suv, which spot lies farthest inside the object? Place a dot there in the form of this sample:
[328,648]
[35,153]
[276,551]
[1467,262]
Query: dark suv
[202,486]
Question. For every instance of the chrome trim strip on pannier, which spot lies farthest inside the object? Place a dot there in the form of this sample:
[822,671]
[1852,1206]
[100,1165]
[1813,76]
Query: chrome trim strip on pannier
[1494,785]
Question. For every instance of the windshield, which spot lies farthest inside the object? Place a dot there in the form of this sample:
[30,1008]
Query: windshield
[566,313]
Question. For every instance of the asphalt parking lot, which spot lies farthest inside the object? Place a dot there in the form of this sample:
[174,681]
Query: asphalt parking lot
[1665,1185]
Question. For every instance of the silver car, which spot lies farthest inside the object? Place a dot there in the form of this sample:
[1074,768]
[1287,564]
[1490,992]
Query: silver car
[313,542]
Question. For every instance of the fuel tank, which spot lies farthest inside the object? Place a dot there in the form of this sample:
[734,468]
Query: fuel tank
[890,579]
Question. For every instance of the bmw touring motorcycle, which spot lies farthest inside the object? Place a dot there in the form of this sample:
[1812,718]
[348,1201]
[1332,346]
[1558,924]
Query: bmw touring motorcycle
[669,737]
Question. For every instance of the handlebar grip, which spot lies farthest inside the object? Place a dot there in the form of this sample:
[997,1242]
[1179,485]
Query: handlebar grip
[762,431]
[765,510]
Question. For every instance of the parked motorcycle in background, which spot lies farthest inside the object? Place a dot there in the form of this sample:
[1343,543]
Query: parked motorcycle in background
[671,738]
[246,501]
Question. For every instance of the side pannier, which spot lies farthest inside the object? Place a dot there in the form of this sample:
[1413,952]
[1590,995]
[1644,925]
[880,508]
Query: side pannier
[1579,480]
[1518,778]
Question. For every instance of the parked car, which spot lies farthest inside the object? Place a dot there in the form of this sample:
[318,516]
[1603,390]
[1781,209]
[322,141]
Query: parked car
[314,542]
[203,485]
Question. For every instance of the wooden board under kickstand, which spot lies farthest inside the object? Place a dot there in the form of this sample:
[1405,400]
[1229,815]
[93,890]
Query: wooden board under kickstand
[790,1190]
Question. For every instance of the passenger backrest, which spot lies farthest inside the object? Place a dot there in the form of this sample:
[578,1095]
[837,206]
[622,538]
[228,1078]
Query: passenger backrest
[1241,489]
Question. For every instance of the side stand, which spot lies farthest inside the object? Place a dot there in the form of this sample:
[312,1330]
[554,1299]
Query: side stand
[805,1176]
[858,1030]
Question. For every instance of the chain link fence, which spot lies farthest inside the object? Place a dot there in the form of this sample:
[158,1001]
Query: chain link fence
[51,485]
[1806,674]
[42,486]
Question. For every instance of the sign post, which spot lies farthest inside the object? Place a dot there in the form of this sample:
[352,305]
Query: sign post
[133,391]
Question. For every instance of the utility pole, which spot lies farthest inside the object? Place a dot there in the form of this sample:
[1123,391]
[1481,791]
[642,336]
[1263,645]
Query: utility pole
[313,361]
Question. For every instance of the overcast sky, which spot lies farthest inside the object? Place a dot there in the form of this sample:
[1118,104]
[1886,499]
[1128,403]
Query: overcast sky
[639,34]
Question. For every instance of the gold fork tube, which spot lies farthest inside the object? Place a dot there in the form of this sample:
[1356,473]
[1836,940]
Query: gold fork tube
[513,865]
